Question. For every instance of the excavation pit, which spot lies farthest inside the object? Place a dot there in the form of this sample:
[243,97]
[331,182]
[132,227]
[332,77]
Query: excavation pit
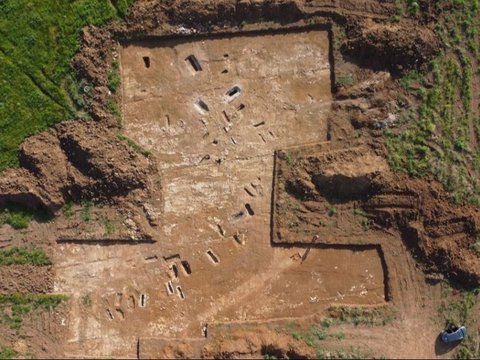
[194,63]
[180,293]
[282,78]
[204,102]
[169,286]
[174,270]
[146,61]
[213,257]
[213,189]
[232,94]
[143,300]
[186,267]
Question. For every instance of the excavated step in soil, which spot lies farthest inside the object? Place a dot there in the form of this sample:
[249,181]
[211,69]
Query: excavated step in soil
[212,111]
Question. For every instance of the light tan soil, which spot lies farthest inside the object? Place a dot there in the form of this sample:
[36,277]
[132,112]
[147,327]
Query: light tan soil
[253,210]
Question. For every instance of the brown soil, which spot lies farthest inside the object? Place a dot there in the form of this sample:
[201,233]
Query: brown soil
[389,46]
[190,235]
[262,342]
[313,181]
[422,211]
[26,279]
[73,161]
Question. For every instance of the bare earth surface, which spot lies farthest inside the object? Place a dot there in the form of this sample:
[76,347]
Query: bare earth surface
[257,196]
[212,262]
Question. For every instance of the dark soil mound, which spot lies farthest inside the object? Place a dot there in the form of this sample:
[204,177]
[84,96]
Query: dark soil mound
[75,160]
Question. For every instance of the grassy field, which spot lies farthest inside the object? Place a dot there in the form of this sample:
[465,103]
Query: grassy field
[463,310]
[7,353]
[38,39]
[22,256]
[441,135]
[15,307]
[316,334]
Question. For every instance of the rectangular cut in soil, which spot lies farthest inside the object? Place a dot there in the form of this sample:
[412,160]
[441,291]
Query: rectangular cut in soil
[328,276]
[212,111]
[208,95]
[315,189]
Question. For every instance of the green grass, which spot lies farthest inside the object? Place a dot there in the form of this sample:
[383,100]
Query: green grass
[22,256]
[350,353]
[361,316]
[17,220]
[35,301]
[136,147]
[399,11]
[332,211]
[113,109]
[269,357]
[87,300]
[413,7]
[344,80]
[475,247]
[108,226]
[365,224]
[38,39]
[315,336]
[86,211]
[360,212]
[114,77]
[68,209]
[364,218]
[463,311]
[14,307]
[311,336]
[19,217]
[7,353]
[292,159]
[435,137]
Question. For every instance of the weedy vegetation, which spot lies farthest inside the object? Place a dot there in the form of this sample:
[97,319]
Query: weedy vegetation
[316,334]
[14,307]
[463,311]
[440,136]
[19,217]
[24,256]
[38,89]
